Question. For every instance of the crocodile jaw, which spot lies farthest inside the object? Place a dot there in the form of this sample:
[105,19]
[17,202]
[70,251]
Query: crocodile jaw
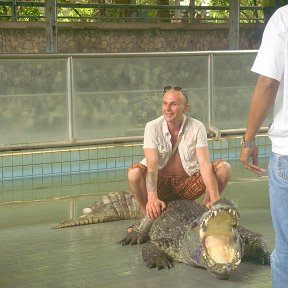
[220,240]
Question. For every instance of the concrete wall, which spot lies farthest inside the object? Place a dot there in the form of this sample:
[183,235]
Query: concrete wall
[30,37]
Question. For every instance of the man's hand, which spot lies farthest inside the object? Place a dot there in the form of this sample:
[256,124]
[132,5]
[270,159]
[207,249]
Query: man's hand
[154,206]
[208,204]
[251,152]
[207,201]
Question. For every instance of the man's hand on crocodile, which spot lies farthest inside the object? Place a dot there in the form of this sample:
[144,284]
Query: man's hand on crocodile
[207,202]
[154,206]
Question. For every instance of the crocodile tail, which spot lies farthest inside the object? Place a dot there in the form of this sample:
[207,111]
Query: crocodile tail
[111,207]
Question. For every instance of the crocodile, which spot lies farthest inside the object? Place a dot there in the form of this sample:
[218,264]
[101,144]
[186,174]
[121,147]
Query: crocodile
[185,232]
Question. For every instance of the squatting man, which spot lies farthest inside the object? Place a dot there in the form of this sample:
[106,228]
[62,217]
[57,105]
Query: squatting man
[176,163]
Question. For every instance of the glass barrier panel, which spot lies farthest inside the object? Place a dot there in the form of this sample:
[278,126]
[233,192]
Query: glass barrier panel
[116,96]
[232,91]
[33,99]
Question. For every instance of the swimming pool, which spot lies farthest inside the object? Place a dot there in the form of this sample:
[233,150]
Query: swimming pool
[49,175]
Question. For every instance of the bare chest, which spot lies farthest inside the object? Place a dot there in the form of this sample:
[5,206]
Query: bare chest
[174,165]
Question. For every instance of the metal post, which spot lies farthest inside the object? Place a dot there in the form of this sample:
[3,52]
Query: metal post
[177,12]
[70,99]
[192,11]
[210,89]
[133,12]
[51,25]
[234,13]
[211,122]
[13,10]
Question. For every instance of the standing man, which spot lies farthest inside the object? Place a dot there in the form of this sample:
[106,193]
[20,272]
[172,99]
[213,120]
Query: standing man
[272,91]
[176,163]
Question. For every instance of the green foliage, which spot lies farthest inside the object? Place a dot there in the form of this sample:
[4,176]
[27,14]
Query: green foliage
[70,14]
[246,15]
[74,13]
[4,11]
[29,14]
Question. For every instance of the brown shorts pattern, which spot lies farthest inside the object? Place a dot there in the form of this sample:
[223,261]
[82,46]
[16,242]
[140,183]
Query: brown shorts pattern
[184,187]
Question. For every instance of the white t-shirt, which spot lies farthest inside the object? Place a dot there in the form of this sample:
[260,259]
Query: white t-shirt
[157,136]
[272,61]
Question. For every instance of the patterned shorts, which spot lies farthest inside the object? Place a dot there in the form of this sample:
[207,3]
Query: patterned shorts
[184,187]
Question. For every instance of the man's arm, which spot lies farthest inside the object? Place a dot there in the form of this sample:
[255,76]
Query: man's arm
[151,155]
[208,175]
[262,102]
[154,206]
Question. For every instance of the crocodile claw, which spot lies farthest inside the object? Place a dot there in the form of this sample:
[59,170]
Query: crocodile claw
[162,263]
[264,258]
[134,238]
[154,257]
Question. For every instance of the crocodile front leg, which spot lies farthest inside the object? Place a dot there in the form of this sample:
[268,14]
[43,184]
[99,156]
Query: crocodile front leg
[254,246]
[139,233]
[155,257]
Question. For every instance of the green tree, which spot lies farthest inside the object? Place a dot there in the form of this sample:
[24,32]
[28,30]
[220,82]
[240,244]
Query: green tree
[245,15]
[32,11]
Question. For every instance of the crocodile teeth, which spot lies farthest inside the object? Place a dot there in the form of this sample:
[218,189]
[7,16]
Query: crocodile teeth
[238,262]
[212,263]
[204,224]
[201,234]
[86,210]
[215,213]
[222,269]
[204,254]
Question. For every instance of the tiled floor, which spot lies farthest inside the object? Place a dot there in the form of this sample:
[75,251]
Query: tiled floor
[89,256]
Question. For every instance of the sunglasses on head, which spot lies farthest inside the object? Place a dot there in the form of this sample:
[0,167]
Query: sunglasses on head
[176,88]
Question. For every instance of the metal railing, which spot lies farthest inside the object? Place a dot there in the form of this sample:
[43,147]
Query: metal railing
[101,12]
